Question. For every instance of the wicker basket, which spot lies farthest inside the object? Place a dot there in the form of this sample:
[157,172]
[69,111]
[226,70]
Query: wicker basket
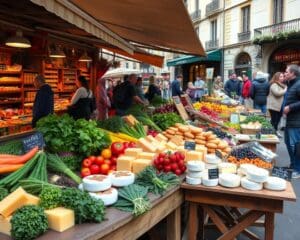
[250,131]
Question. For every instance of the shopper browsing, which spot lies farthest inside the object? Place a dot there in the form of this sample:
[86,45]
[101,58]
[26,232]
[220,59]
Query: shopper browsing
[232,86]
[176,88]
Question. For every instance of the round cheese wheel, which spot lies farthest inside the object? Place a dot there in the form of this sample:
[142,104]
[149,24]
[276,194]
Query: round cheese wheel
[194,174]
[210,166]
[275,184]
[209,182]
[195,166]
[229,180]
[257,174]
[245,167]
[192,181]
[226,167]
[121,178]
[96,183]
[213,159]
[109,197]
[250,185]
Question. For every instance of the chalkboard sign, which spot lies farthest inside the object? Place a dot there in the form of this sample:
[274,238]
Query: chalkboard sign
[258,135]
[282,172]
[32,141]
[219,154]
[189,145]
[213,173]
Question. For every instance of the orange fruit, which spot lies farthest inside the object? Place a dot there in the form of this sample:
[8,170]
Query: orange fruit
[106,153]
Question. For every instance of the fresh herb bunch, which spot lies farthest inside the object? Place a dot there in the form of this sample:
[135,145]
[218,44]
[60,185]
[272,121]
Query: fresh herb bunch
[28,222]
[112,124]
[50,197]
[72,161]
[147,121]
[3,193]
[86,208]
[133,198]
[166,120]
[262,120]
[157,183]
[35,186]
[13,147]
[136,131]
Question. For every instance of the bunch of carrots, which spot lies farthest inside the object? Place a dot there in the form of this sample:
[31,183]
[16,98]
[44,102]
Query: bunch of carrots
[10,163]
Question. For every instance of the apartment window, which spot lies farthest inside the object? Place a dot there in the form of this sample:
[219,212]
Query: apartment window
[278,10]
[246,19]
[127,65]
[213,29]
[134,65]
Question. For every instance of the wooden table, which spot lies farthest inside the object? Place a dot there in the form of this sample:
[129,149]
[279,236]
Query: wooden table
[221,205]
[122,225]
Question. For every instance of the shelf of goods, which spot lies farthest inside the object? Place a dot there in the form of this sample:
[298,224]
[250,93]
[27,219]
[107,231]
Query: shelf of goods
[51,77]
[29,89]
[10,88]
[68,78]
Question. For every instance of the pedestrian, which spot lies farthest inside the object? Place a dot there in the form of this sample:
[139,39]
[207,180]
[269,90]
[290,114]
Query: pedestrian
[80,106]
[275,99]
[124,95]
[44,102]
[218,83]
[259,91]
[165,89]
[176,88]
[246,91]
[292,112]
[102,100]
[199,88]
[191,90]
[153,89]
[240,80]
[139,88]
[232,86]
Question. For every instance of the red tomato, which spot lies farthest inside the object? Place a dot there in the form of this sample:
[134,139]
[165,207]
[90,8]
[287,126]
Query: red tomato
[113,160]
[132,144]
[114,168]
[174,166]
[181,155]
[161,160]
[181,164]
[173,158]
[117,148]
[178,172]
[107,161]
[85,172]
[99,160]
[126,145]
[104,168]
[167,161]
[183,168]
[86,163]
[95,169]
[167,168]
[92,158]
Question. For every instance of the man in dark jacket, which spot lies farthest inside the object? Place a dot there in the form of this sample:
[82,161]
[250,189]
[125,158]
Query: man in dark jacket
[292,112]
[43,103]
[176,89]
[232,86]
[259,91]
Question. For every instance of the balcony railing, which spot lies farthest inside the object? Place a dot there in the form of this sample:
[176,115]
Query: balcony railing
[212,7]
[244,36]
[270,31]
[196,15]
[212,44]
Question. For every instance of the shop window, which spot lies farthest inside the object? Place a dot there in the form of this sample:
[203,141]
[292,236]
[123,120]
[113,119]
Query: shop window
[277,11]
[213,30]
[246,19]
[134,65]
[243,64]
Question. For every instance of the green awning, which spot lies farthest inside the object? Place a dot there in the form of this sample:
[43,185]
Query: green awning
[214,55]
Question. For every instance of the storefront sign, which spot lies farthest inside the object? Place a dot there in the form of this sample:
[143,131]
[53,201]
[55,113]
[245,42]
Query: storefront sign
[32,141]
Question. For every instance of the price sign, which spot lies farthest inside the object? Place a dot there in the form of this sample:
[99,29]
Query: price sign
[234,118]
[32,141]
[282,172]
[213,173]
[189,145]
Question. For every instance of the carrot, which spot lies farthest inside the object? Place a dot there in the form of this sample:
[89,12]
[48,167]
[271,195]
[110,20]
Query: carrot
[7,168]
[15,159]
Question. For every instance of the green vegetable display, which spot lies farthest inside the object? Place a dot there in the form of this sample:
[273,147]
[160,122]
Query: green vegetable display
[28,223]
[158,101]
[166,120]
[156,183]
[86,208]
[40,170]
[35,186]
[72,161]
[147,121]
[113,124]
[133,198]
[12,147]
[50,197]
[3,193]
[264,122]
[137,131]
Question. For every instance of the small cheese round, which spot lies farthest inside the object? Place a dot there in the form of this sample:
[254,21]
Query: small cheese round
[257,174]
[226,167]
[209,182]
[250,185]
[109,196]
[96,183]
[195,166]
[213,159]
[192,181]
[121,178]
[194,174]
[210,166]
[229,180]
[245,167]
[275,184]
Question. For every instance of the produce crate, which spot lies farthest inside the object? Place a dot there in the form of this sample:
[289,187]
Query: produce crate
[250,131]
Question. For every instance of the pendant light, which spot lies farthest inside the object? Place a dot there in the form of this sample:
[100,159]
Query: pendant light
[56,52]
[18,41]
[85,58]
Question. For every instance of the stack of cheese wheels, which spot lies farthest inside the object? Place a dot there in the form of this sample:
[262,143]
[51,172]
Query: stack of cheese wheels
[229,180]
[206,181]
[212,161]
[194,172]
[275,184]
[253,177]
[99,187]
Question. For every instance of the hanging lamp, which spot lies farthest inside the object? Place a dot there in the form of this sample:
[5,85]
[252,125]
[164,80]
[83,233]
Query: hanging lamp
[85,58]
[56,52]
[18,41]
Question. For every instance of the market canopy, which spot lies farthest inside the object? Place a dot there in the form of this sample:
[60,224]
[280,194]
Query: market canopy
[157,24]
[214,55]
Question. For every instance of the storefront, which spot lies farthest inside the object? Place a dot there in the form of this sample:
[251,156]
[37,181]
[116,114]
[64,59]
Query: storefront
[243,64]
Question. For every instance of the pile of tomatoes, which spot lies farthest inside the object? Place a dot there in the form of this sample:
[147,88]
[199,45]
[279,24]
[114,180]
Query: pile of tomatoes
[170,162]
[106,161]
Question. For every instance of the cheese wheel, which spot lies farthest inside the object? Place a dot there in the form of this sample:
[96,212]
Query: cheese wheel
[226,167]
[194,174]
[195,166]
[209,182]
[192,181]
[121,178]
[210,166]
[245,167]
[96,183]
[258,175]
[250,185]
[109,196]
[229,180]
[212,159]
[275,184]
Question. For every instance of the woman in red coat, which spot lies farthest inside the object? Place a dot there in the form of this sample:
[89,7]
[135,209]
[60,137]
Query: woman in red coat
[246,91]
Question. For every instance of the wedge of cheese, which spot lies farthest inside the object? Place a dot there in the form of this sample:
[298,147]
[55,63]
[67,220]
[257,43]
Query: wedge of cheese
[133,152]
[151,139]
[139,165]
[171,146]
[32,200]
[146,155]
[146,145]
[5,225]
[124,163]
[194,156]
[201,148]
[12,202]
[160,137]
[60,219]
